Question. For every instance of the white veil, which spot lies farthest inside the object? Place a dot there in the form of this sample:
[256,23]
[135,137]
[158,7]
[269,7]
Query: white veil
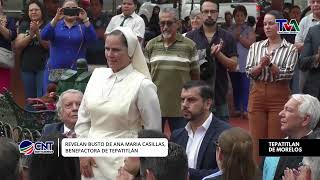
[135,51]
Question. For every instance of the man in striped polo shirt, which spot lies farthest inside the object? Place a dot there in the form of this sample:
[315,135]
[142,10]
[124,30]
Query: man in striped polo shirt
[172,61]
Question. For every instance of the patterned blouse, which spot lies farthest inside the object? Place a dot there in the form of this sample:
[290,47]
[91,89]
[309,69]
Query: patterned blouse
[285,57]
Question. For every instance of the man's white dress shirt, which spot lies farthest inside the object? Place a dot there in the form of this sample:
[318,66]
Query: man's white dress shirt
[195,140]
[135,22]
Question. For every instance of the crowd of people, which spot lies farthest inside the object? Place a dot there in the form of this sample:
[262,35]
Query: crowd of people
[160,71]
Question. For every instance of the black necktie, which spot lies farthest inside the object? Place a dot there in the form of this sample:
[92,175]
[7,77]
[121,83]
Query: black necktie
[125,18]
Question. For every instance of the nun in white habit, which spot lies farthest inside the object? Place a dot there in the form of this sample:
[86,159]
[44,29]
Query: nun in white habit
[118,102]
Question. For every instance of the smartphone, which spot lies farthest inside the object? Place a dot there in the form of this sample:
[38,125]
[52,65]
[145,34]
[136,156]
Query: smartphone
[71,11]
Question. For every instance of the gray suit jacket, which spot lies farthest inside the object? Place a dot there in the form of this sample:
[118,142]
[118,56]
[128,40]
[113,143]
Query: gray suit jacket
[307,59]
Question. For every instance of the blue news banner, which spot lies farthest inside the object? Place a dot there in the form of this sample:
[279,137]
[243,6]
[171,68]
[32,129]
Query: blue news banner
[289,147]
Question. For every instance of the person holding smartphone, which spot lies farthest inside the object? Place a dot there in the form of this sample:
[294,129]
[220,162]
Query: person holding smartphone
[70,33]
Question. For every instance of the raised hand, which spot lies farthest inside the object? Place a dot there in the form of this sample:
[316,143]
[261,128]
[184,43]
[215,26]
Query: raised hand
[264,61]
[274,71]
[59,15]
[83,14]
[123,174]
[289,175]
[216,48]
[305,173]
[34,28]
[86,164]
[3,21]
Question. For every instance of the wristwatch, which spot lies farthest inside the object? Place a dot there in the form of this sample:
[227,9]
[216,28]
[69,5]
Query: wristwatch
[270,65]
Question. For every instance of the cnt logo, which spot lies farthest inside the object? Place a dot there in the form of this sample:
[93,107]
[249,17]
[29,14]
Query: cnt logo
[287,28]
[27,147]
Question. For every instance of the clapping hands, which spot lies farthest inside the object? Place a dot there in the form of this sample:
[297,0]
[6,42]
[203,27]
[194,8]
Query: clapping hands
[83,14]
[34,28]
[124,175]
[265,60]
[3,21]
[304,173]
[216,48]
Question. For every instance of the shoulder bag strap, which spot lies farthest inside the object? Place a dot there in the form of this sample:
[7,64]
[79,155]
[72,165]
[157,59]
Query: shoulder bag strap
[74,62]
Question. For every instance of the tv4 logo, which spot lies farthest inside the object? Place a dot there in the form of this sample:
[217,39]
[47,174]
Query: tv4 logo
[287,28]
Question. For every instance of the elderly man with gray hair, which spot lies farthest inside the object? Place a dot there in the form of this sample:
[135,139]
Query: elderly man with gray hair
[67,107]
[299,119]
[300,116]
[172,61]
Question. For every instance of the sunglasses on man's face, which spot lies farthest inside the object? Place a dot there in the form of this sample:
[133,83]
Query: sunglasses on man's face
[166,23]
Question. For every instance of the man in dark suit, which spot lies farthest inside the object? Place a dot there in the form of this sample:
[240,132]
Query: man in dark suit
[298,119]
[310,62]
[67,107]
[202,131]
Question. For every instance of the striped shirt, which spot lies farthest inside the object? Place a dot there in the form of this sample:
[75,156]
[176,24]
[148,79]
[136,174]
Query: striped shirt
[170,68]
[285,57]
